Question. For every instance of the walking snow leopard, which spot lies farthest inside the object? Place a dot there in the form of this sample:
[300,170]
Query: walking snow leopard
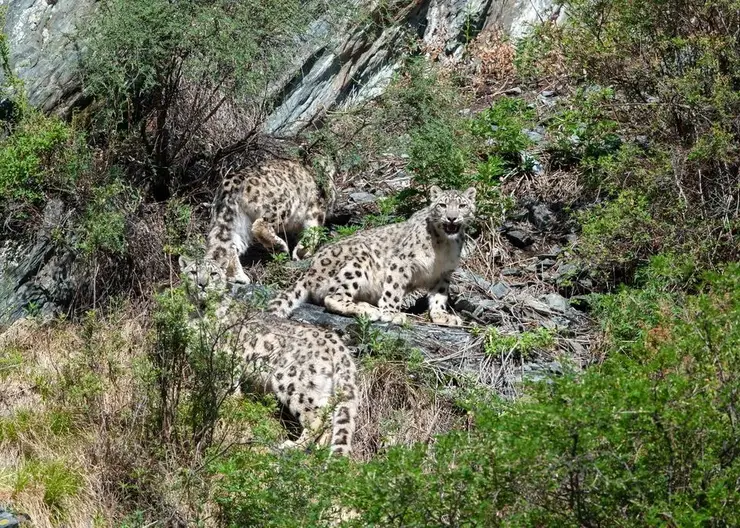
[277,197]
[368,273]
[310,370]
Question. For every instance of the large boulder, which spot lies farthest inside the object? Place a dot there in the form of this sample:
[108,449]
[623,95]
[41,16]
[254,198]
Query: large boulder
[38,275]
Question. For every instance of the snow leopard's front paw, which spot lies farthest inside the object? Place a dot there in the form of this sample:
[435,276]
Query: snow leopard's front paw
[443,318]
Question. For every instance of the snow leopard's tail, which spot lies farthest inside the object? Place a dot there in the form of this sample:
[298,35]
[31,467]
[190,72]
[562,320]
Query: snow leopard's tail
[346,393]
[225,209]
[286,302]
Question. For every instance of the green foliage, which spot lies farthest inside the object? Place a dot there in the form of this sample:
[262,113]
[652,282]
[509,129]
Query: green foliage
[165,69]
[178,223]
[104,224]
[620,232]
[313,237]
[60,481]
[437,156]
[584,133]
[649,435]
[42,156]
[652,113]
[195,368]
[500,126]
[289,490]
[524,344]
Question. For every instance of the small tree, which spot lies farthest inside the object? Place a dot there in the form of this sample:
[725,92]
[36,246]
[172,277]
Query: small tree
[193,79]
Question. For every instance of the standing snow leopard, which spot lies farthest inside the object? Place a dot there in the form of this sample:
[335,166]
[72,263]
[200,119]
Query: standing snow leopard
[369,272]
[309,369]
[278,196]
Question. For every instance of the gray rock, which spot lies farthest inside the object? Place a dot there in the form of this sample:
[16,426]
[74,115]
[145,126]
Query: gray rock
[544,264]
[344,66]
[541,216]
[566,270]
[500,290]
[534,136]
[363,197]
[519,238]
[511,272]
[546,100]
[43,52]
[556,302]
[551,253]
[37,276]
[570,238]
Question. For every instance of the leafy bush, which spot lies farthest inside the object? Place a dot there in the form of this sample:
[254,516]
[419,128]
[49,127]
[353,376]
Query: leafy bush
[647,437]
[104,225]
[652,114]
[166,71]
[42,156]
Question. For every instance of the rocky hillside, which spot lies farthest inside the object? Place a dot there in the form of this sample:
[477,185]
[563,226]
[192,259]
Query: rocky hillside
[594,379]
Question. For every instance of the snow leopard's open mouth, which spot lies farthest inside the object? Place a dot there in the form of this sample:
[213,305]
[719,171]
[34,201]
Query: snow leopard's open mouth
[451,229]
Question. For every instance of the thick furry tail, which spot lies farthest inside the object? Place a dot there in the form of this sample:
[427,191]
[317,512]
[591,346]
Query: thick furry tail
[223,219]
[286,303]
[345,412]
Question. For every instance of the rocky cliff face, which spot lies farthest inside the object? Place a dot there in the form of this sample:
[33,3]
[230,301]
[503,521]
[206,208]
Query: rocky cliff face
[42,51]
[355,64]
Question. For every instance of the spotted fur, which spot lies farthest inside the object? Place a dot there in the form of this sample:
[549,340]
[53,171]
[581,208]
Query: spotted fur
[370,272]
[310,370]
[266,204]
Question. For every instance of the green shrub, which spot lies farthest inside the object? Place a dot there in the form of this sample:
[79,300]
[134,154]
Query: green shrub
[164,70]
[649,109]
[647,437]
[103,227]
[523,344]
[501,128]
[41,157]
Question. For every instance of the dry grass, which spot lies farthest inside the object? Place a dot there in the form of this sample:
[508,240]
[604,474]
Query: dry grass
[396,410]
[63,402]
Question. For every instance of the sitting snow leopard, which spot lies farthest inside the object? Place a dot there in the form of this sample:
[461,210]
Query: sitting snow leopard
[276,197]
[310,370]
[369,272]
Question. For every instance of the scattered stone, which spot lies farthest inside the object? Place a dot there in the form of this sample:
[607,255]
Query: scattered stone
[362,197]
[643,142]
[538,306]
[547,100]
[516,90]
[499,290]
[511,272]
[544,264]
[535,136]
[570,238]
[541,216]
[519,238]
[566,270]
[547,93]
[551,253]
[556,302]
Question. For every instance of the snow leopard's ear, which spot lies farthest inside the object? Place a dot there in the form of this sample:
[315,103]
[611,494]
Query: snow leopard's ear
[434,193]
[470,193]
[183,261]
